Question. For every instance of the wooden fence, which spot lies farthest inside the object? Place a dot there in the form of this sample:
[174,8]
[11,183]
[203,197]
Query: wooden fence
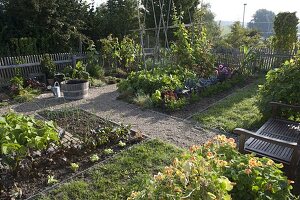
[257,59]
[30,65]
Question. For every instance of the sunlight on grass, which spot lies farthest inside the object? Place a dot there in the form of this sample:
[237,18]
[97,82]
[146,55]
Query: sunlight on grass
[129,171]
[238,110]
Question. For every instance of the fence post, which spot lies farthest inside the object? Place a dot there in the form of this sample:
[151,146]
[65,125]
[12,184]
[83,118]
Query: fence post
[73,61]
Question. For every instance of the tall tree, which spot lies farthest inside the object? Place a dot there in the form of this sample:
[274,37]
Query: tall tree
[263,22]
[240,36]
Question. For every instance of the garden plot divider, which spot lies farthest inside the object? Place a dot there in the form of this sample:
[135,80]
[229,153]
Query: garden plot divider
[30,65]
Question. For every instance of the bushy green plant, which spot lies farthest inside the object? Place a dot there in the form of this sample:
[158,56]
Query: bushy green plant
[26,94]
[93,63]
[162,78]
[79,72]
[158,84]
[48,66]
[282,84]
[217,170]
[124,54]
[21,135]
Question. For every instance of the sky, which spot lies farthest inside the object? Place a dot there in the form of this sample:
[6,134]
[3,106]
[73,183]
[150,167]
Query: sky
[232,10]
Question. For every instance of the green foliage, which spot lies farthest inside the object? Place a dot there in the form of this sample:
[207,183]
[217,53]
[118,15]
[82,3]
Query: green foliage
[204,15]
[17,81]
[48,66]
[240,36]
[79,72]
[21,135]
[182,49]
[26,94]
[204,59]
[124,54]
[94,158]
[51,180]
[161,78]
[93,62]
[285,27]
[282,85]
[74,167]
[192,49]
[217,170]
[53,26]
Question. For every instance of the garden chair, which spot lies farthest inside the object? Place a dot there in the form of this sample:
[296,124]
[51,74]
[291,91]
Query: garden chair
[278,139]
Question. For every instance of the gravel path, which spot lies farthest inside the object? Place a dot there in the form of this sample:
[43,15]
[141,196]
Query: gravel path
[102,101]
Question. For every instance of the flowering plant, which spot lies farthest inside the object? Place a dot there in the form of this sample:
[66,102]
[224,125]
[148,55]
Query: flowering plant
[223,72]
[216,170]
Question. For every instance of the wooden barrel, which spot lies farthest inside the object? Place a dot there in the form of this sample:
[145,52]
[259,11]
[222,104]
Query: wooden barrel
[75,89]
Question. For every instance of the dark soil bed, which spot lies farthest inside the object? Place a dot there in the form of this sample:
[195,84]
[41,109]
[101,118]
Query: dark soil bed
[33,176]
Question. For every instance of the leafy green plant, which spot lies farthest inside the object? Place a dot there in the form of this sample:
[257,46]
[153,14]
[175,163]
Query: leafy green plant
[108,151]
[124,54]
[217,170]
[79,72]
[285,27]
[121,144]
[282,84]
[74,167]
[21,135]
[94,158]
[48,66]
[93,62]
[155,83]
[51,180]
[26,94]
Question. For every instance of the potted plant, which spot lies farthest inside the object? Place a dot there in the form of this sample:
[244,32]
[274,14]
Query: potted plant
[77,85]
[49,68]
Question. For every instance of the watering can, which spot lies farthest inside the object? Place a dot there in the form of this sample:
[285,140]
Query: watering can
[56,89]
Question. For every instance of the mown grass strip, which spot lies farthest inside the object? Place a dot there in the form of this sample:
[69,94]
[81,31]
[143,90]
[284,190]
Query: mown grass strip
[129,171]
[237,110]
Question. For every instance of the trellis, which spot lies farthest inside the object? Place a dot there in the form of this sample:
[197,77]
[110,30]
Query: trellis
[161,25]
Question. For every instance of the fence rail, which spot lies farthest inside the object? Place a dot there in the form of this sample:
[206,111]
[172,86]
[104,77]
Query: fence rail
[259,59]
[30,65]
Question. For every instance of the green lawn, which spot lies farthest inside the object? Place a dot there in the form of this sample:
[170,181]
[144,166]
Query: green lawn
[128,171]
[237,110]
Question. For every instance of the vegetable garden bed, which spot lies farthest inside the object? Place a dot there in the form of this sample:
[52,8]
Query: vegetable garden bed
[88,139]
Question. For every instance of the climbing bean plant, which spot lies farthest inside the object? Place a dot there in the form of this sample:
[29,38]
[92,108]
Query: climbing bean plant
[285,26]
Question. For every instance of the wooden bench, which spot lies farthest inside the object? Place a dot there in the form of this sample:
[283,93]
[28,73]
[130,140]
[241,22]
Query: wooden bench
[278,139]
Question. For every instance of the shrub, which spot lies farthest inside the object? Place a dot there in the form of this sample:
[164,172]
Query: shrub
[148,81]
[282,84]
[160,84]
[48,66]
[93,62]
[217,170]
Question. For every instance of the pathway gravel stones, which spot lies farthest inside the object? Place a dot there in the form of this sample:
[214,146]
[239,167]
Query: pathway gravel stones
[103,102]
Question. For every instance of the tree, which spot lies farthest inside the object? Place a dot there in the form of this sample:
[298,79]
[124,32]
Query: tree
[285,26]
[263,22]
[56,24]
[240,36]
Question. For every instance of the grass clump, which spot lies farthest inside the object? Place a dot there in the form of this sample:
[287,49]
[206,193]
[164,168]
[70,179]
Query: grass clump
[129,171]
[237,110]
